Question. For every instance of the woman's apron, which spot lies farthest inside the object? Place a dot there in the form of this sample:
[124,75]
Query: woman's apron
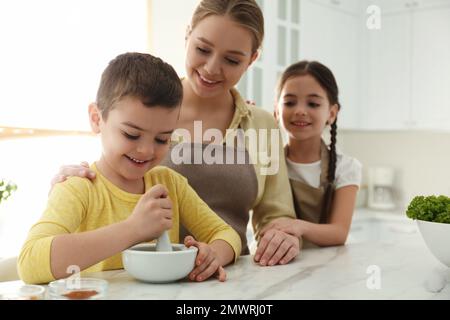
[308,200]
[230,190]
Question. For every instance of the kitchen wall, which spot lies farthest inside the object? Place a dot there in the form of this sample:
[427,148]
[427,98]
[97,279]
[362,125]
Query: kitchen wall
[421,159]
[167,29]
[31,163]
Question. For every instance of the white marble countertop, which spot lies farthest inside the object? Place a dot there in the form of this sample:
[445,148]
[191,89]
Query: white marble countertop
[393,246]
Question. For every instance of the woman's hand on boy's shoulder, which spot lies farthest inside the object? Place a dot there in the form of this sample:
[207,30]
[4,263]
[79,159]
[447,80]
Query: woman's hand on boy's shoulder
[207,262]
[276,247]
[72,170]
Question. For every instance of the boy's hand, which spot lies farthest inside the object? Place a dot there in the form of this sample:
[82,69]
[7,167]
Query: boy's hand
[206,263]
[152,214]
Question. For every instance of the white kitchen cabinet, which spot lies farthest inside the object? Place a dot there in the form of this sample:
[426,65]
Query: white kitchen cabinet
[331,36]
[407,68]
[323,30]
[394,78]
[394,6]
[432,3]
[387,100]
[430,87]
[399,6]
[349,6]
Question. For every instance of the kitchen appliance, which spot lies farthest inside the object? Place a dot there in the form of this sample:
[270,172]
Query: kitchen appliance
[381,188]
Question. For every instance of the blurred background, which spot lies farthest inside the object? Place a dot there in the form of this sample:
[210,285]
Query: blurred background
[390,58]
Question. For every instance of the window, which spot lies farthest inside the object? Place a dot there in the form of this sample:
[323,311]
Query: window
[53,53]
[281,48]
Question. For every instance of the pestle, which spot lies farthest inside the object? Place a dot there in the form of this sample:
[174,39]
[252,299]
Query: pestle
[163,242]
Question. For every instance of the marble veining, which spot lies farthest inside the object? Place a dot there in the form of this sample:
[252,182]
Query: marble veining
[403,261]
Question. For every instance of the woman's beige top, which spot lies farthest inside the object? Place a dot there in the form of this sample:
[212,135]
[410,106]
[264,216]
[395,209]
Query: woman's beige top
[258,182]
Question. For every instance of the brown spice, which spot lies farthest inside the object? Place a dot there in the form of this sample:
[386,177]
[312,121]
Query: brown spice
[80,294]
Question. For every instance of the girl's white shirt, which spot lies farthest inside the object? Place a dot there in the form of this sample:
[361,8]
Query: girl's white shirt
[348,171]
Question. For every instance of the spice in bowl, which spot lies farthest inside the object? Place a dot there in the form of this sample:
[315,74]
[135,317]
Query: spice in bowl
[78,289]
[80,294]
[24,292]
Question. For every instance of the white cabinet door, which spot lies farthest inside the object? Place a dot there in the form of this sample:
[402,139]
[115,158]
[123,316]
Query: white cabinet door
[431,68]
[331,37]
[398,6]
[387,82]
[431,3]
[394,6]
[350,6]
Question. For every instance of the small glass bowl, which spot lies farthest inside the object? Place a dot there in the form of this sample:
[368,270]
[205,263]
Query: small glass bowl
[78,289]
[25,292]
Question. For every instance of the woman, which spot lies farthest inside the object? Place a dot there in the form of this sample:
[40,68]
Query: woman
[221,44]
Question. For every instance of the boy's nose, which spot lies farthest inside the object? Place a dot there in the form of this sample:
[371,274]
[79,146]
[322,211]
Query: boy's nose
[147,150]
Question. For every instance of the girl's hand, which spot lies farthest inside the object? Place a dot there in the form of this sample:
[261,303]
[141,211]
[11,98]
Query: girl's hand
[82,170]
[206,263]
[152,215]
[277,247]
[288,225]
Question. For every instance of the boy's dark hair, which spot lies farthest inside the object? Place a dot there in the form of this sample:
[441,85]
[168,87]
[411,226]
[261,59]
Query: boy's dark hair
[327,81]
[139,75]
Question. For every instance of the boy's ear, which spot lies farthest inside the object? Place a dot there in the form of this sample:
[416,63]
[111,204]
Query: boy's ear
[334,109]
[94,117]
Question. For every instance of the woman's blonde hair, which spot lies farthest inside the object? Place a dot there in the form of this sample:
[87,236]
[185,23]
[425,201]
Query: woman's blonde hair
[247,13]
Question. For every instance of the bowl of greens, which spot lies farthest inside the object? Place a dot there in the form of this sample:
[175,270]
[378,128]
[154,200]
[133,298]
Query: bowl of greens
[433,219]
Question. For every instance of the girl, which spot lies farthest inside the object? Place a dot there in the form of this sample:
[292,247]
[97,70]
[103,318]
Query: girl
[324,182]
[221,43]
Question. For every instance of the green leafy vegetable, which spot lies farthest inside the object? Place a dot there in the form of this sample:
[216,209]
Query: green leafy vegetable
[6,189]
[432,208]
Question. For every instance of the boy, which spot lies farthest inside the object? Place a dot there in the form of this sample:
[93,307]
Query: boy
[88,224]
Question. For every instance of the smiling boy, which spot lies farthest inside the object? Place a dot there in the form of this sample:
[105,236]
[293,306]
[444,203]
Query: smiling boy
[88,224]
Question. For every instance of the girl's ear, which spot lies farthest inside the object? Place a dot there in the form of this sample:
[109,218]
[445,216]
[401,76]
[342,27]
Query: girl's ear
[334,109]
[94,117]
[275,112]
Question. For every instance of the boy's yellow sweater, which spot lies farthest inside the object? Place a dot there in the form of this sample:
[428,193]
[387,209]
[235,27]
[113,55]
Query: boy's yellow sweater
[79,205]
